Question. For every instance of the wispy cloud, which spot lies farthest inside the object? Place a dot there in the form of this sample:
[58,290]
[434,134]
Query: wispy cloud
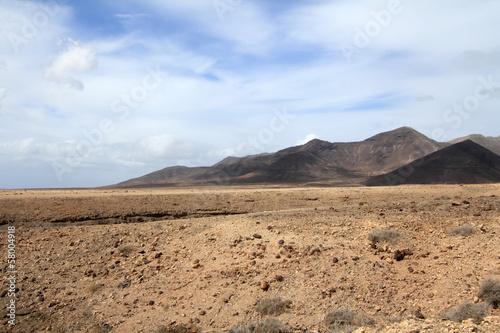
[75,60]
[222,79]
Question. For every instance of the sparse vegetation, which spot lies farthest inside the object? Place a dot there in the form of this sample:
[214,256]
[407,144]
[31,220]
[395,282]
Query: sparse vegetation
[93,287]
[490,292]
[467,310]
[443,197]
[178,329]
[464,230]
[346,321]
[267,325]
[273,306]
[125,249]
[388,235]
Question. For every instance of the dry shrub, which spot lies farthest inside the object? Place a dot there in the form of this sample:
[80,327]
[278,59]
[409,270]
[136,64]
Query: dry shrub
[467,310]
[273,306]
[125,249]
[93,287]
[267,325]
[179,329]
[490,292]
[464,230]
[388,235]
[346,321]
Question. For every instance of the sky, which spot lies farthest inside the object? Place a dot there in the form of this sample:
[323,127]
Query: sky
[93,93]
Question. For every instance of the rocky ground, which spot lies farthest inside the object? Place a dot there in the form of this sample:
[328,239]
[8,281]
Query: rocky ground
[141,260]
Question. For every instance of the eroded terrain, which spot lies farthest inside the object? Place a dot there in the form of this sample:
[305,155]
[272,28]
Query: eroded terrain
[138,260]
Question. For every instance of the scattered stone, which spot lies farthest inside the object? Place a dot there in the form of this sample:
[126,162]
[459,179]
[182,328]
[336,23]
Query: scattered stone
[279,278]
[124,284]
[399,255]
[264,285]
[257,236]
[335,260]
[418,314]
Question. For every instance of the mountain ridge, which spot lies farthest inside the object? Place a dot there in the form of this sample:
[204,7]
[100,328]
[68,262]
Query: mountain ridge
[316,161]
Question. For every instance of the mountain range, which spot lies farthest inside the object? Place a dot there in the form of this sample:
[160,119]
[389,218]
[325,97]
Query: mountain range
[401,156]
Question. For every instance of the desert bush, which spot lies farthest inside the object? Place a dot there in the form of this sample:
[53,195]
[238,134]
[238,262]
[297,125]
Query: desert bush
[346,321]
[93,287]
[388,235]
[467,310]
[178,329]
[125,249]
[489,291]
[424,204]
[267,325]
[443,197]
[464,230]
[273,306]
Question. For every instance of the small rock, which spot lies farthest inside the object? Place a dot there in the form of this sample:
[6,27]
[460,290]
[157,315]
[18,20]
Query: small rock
[335,260]
[124,284]
[399,255]
[418,314]
[279,278]
[23,312]
[281,242]
[257,236]
[203,312]
[264,285]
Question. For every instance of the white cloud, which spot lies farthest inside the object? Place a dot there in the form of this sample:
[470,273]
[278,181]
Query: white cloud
[75,60]
[308,138]
[3,94]
[130,16]
[223,78]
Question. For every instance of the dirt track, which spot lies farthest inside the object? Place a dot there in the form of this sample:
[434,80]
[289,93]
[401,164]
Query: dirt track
[201,255]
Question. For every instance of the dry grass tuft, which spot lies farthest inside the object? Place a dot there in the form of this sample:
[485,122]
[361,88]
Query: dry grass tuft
[490,292]
[467,310]
[273,306]
[93,287]
[346,321]
[388,235]
[464,230]
[267,325]
[125,249]
[178,329]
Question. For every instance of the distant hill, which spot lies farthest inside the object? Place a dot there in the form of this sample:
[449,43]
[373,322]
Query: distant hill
[465,162]
[489,142]
[315,161]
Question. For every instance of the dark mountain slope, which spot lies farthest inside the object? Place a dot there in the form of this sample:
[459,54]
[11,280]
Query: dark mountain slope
[465,162]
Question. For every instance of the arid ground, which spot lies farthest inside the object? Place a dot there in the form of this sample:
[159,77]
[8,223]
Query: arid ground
[139,260]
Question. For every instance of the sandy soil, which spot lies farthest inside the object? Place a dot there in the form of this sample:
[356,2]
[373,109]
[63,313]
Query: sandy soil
[138,260]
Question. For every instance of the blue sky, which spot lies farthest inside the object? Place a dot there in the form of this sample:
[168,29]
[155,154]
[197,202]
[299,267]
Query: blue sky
[96,92]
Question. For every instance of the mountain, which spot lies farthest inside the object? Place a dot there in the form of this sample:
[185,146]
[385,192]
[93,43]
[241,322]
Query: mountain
[315,161]
[489,142]
[465,162]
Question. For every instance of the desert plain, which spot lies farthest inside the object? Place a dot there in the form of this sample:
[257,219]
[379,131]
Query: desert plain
[204,258]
